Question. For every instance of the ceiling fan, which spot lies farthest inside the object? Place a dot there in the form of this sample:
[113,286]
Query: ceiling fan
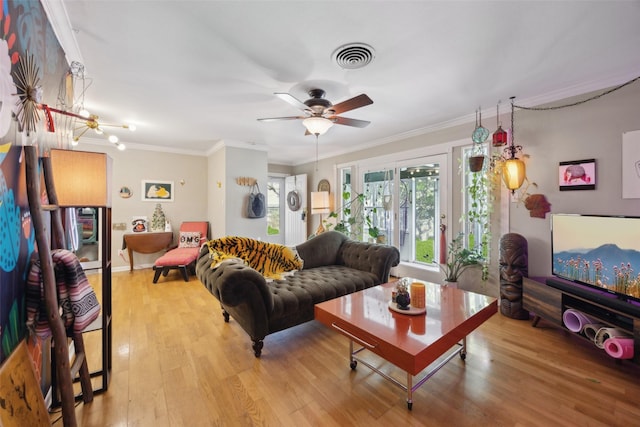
[320,113]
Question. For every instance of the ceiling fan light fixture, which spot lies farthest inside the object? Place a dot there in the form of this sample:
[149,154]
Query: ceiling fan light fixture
[317,125]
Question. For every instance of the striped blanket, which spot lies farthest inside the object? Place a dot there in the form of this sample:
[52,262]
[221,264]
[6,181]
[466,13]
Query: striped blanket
[76,298]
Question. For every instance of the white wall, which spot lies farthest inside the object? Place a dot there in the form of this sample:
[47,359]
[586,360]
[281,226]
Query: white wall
[216,194]
[242,162]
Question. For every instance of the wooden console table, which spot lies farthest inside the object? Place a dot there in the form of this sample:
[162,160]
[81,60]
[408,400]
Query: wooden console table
[146,243]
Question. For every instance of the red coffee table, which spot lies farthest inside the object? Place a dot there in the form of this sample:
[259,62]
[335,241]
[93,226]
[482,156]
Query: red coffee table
[410,342]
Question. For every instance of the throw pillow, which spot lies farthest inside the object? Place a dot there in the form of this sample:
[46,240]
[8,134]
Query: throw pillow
[189,239]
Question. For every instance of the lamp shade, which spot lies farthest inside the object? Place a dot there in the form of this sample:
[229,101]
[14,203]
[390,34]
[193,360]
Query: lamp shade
[513,173]
[317,125]
[320,202]
[81,178]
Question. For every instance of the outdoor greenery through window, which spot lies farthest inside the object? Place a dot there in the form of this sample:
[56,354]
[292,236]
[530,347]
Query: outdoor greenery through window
[477,203]
[398,204]
[273,207]
[419,210]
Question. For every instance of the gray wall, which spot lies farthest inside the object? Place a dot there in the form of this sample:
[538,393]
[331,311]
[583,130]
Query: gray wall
[591,130]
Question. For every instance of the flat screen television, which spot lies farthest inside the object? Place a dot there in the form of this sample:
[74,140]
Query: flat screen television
[598,251]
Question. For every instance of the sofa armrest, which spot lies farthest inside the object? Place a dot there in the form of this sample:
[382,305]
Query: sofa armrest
[233,283]
[371,257]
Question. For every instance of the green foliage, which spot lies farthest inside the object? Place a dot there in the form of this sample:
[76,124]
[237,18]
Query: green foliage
[353,217]
[480,187]
[425,249]
[15,331]
[271,231]
[459,259]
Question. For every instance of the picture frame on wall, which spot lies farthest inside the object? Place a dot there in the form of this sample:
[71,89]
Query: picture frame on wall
[577,175]
[157,191]
[631,165]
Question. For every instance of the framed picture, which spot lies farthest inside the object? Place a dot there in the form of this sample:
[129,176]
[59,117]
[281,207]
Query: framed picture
[157,191]
[631,165]
[577,175]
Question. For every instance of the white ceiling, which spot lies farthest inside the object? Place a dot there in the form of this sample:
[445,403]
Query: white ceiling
[190,74]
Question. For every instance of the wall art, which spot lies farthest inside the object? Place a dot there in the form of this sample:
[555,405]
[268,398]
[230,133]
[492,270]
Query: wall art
[157,191]
[631,165]
[577,175]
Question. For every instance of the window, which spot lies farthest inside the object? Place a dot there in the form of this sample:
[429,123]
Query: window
[378,206]
[274,190]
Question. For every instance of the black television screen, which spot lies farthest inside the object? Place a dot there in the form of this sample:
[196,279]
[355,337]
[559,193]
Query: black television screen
[599,251]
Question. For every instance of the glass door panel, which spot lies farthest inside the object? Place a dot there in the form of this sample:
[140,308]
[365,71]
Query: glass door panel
[421,201]
[378,209]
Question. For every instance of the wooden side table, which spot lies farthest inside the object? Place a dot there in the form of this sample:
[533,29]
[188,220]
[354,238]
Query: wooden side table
[146,243]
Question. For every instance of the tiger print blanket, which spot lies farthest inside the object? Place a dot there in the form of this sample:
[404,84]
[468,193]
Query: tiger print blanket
[269,259]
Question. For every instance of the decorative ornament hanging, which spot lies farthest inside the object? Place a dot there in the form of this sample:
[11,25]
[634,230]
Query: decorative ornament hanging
[29,93]
[480,134]
[500,136]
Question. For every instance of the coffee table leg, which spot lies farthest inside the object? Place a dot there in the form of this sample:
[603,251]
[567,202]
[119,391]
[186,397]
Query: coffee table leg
[463,350]
[352,362]
[409,391]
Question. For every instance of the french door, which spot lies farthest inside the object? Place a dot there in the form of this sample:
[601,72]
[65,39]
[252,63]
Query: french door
[404,205]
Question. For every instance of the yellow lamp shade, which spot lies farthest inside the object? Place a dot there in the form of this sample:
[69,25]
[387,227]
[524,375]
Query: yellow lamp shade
[513,173]
[81,178]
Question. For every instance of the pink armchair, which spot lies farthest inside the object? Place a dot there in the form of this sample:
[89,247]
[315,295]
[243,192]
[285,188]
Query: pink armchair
[193,235]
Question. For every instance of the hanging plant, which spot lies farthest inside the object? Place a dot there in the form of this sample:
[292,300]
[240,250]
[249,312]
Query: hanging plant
[476,162]
[480,191]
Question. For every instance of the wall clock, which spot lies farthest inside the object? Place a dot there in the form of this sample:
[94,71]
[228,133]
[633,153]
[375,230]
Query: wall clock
[324,185]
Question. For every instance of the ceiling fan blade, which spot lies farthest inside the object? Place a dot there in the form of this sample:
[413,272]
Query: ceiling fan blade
[351,104]
[292,100]
[273,119]
[350,122]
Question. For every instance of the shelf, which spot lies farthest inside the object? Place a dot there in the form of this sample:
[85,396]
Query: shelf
[549,302]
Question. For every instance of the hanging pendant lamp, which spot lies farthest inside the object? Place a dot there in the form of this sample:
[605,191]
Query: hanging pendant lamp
[513,169]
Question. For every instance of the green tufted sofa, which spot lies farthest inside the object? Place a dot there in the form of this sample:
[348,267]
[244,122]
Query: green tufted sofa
[334,265]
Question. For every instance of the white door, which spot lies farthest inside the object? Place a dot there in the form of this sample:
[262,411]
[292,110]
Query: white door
[295,219]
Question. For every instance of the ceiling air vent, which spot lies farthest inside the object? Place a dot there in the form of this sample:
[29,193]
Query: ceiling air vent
[354,55]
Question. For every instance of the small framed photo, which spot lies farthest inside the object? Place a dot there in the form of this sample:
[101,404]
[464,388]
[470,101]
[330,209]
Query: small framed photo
[157,191]
[577,175]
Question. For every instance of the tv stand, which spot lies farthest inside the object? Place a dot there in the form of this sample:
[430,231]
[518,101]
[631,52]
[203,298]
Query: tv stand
[548,298]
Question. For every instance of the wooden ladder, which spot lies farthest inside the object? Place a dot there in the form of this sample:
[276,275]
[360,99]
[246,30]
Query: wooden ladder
[65,372]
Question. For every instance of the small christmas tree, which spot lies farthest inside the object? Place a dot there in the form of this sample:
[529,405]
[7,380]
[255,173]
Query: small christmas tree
[158,219]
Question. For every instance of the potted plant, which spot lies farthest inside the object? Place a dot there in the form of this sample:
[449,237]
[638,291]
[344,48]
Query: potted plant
[476,159]
[350,223]
[459,259]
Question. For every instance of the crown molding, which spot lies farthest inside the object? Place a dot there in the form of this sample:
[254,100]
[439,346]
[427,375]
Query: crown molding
[59,20]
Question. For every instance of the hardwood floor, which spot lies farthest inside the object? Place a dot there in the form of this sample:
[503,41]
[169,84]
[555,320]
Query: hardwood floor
[176,363]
